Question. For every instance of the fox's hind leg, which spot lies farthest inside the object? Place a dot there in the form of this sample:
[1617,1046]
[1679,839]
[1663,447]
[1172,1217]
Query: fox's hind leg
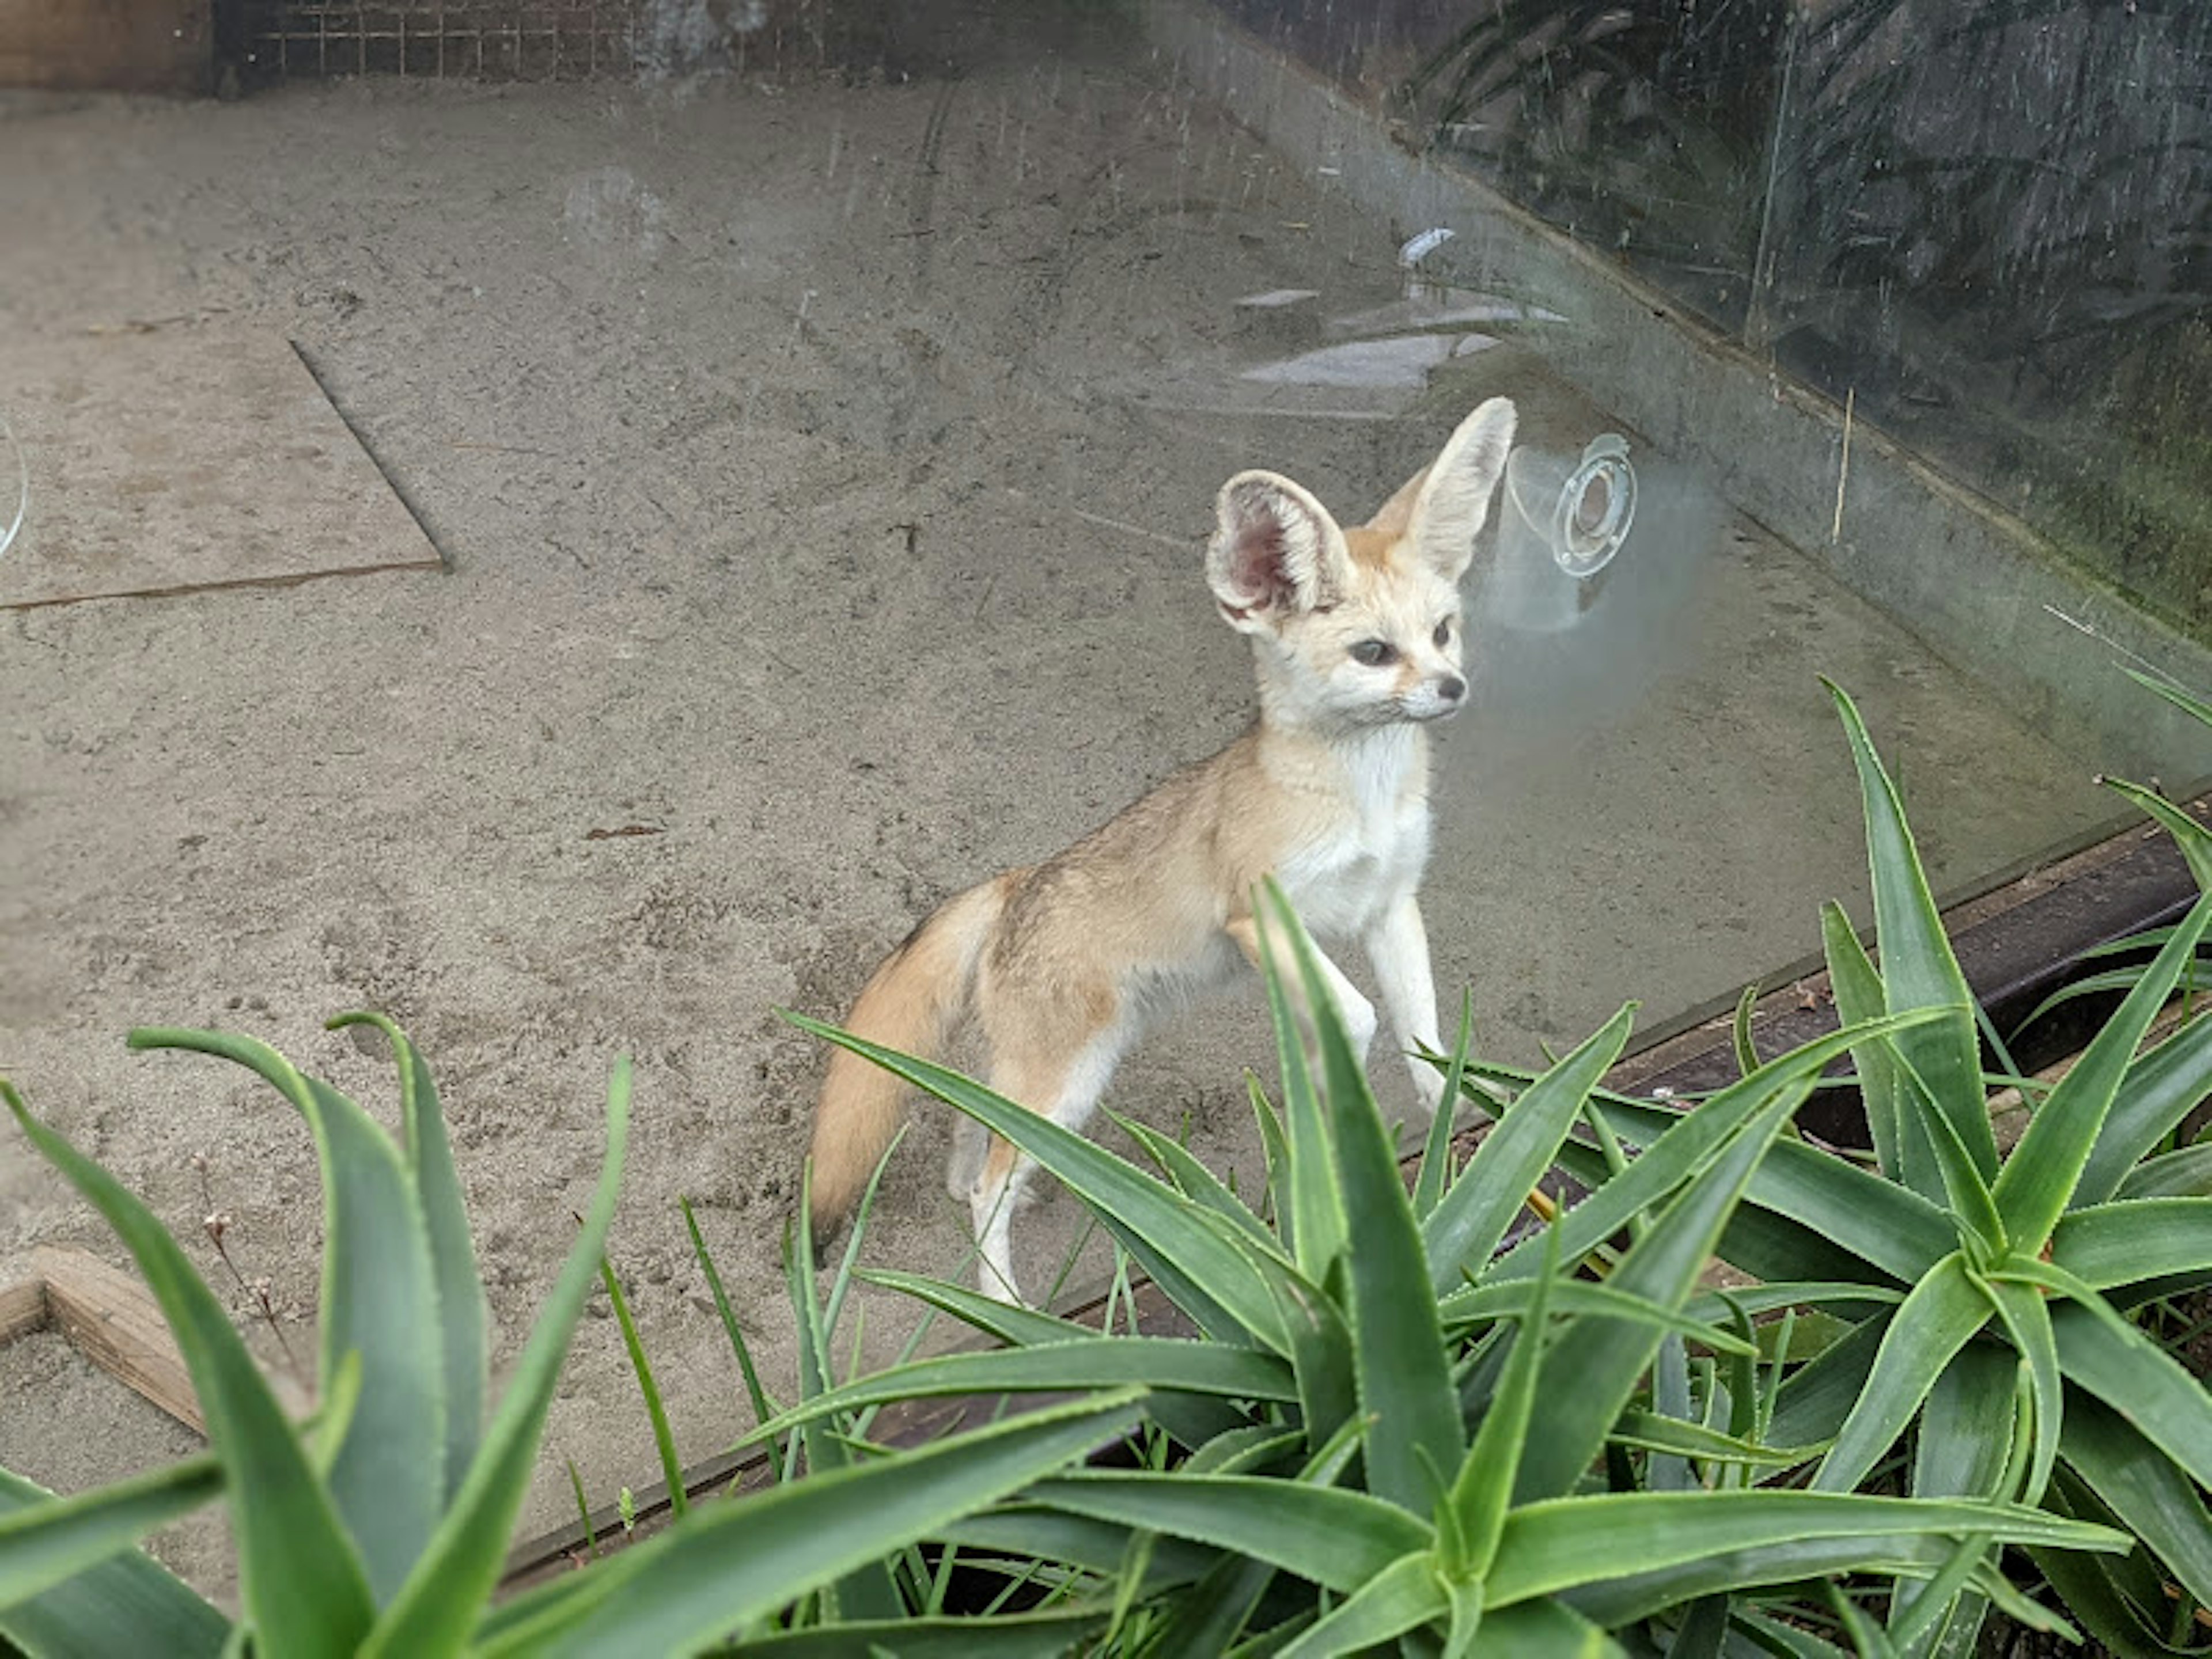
[1066,1090]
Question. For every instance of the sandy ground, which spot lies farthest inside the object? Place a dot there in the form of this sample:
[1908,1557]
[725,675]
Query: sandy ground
[812,499]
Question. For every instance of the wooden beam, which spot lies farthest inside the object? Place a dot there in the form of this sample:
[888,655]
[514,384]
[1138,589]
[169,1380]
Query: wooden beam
[23,1309]
[115,1323]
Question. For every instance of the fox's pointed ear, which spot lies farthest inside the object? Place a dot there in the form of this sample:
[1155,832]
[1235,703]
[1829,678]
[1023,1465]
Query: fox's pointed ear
[1275,552]
[1440,512]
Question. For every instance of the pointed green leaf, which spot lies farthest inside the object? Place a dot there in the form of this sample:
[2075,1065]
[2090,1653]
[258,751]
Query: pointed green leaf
[461,1313]
[1483,1492]
[1678,1144]
[1435,1171]
[1859,996]
[457,1570]
[2157,1091]
[2115,1361]
[1016,1327]
[2040,1178]
[1337,1539]
[1934,1322]
[2131,1240]
[46,1540]
[379,1300]
[2195,842]
[725,1565]
[298,1578]
[1919,969]
[2186,1173]
[2026,1319]
[1087,1362]
[1194,1257]
[1479,1304]
[1405,1595]
[1197,1182]
[1313,1218]
[71,1586]
[2152,1498]
[1593,1549]
[1963,1448]
[1596,1364]
[1414,1433]
[1473,1216]
[1051,1634]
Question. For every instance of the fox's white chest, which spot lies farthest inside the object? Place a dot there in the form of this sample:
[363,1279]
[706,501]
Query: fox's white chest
[1371,855]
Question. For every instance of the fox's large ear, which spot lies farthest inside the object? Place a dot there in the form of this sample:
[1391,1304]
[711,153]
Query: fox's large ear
[1275,552]
[1440,511]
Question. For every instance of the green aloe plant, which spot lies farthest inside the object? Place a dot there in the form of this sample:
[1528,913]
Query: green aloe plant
[381,1530]
[1385,1426]
[1977,1307]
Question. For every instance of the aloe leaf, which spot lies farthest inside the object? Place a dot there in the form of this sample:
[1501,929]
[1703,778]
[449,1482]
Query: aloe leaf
[738,1347]
[1880,1223]
[1481,1303]
[1313,1218]
[664,1438]
[1398,1359]
[2131,1240]
[2191,836]
[2040,1178]
[2185,1173]
[1337,1539]
[2154,1499]
[868,1592]
[1483,1492]
[727,1564]
[1018,1530]
[1859,996]
[1965,1442]
[2159,1091]
[1197,1182]
[2113,1360]
[1194,1257]
[1435,1171]
[300,1580]
[459,1286]
[1938,1318]
[1972,1202]
[1404,1596]
[379,1299]
[457,1570]
[1674,1437]
[73,1584]
[1678,1144]
[1086,1362]
[1016,1327]
[1050,1634]
[1598,1362]
[1545,1629]
[2026,1319]
[1473,1215]
[1620,1548]
[1919,969]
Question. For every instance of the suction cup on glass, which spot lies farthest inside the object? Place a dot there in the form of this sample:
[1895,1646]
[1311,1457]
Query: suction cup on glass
[1596,508]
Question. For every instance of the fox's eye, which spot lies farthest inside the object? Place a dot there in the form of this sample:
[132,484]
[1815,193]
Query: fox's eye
[1444,634]
[1374,653]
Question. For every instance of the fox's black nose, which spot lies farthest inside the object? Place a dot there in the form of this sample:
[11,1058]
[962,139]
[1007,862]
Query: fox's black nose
[1452,689]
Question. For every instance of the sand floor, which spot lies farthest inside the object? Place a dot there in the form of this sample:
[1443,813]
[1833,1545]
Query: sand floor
[822,470]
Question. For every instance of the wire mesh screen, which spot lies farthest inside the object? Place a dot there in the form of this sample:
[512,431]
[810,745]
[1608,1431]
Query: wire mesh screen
[532,40]
[481,40]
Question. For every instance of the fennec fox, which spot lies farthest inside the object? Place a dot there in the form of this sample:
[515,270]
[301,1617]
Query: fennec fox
[1356,637]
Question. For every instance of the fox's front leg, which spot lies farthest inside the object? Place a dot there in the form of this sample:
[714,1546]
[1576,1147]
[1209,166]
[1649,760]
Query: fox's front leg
[1359,1012]
[1398,946]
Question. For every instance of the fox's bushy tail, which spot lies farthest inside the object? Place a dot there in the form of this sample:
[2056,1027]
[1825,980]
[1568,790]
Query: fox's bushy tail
[909,1004]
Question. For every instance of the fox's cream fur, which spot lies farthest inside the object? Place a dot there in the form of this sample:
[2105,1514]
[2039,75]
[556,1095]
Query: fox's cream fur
[1356,638]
